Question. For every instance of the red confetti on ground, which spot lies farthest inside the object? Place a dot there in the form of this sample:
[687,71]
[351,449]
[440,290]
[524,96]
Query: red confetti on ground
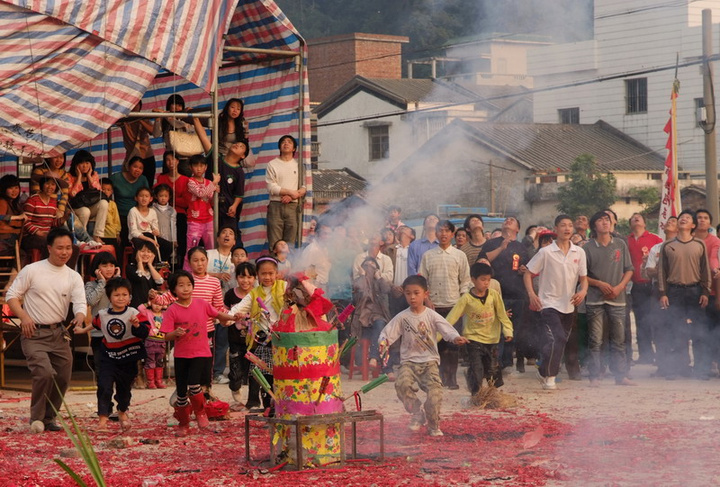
[477,449]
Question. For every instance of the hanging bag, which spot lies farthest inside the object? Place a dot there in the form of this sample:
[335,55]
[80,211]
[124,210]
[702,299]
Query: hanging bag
[185,144]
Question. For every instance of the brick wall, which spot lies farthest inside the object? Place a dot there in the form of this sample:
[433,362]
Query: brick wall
[333,61]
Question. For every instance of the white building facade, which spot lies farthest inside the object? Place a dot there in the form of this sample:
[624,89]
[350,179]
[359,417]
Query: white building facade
[633,41]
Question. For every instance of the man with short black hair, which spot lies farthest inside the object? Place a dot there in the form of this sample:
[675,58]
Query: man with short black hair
[684,287]
[286,191]
[448,275]
[508,257]
[609,270]
[640,241]
[559,266]
[40,296]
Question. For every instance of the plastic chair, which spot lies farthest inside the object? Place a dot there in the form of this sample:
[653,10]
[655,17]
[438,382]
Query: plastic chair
[364,367]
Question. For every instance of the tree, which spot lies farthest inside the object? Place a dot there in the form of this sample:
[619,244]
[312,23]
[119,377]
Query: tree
[647,196]
[588,190]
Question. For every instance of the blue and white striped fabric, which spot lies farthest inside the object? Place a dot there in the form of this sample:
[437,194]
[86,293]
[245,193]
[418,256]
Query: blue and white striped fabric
[271,91]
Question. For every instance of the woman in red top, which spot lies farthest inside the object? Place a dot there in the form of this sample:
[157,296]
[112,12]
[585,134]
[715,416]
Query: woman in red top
[11,214]
[178,183]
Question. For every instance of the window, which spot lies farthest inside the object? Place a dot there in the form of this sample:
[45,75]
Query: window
[379,142]
[569,115]
[636,95]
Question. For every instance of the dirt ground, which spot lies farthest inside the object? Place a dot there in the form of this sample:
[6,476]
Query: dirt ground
[658,433]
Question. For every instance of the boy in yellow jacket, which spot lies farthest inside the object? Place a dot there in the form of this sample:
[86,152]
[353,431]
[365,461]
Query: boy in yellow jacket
[485,312]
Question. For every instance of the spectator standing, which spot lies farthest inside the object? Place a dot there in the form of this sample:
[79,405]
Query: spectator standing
[706,350]
[448,275]
[136,139]
[640,241]
[508,257]
[609,268]
[476,237]
[684,287]
[427,241]
[286,193]
[560,265]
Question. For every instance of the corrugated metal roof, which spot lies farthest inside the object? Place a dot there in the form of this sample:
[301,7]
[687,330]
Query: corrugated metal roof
[337,180]
[554,147]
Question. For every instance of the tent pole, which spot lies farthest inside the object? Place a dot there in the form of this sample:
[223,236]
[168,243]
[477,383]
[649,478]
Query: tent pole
[109,151]
[214,138]
[268,52]
[299,60]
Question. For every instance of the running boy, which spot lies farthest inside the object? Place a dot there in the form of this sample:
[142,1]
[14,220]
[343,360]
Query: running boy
[419,357]
[122,346]
[485,316]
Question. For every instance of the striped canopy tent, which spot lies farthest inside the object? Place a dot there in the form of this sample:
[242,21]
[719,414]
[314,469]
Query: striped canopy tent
[71,68]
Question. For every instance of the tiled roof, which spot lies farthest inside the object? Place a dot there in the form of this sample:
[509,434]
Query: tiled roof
[401,92]
[553,147]
[422,90]
[337,181]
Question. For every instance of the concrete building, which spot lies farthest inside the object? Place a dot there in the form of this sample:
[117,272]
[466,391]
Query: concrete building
[636,43]
[371,125]
[485,59]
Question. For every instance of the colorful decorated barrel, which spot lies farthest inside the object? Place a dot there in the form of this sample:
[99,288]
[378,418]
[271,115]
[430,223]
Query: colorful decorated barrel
[306,372]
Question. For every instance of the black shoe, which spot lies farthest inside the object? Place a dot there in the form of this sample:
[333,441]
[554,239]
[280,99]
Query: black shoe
[521,367]
[453,387]
[53,427]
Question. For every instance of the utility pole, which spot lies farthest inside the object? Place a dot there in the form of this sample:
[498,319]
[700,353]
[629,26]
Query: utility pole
[492,189]
[711,180]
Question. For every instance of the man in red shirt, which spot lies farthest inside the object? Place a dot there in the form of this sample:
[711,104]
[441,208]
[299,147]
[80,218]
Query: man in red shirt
[640,241]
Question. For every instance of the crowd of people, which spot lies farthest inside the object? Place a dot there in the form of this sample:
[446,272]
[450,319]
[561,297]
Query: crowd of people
[426,304]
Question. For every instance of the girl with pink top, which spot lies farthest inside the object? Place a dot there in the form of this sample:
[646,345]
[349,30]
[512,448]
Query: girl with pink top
[200,207]
[185,321]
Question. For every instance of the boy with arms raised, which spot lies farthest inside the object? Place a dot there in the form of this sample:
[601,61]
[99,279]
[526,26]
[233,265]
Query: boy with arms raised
[418,327]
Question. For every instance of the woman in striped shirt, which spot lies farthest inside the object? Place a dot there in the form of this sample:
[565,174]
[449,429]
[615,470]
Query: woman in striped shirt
[41,213]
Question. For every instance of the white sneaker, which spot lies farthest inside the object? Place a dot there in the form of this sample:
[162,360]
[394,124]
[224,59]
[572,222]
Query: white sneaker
[435,432]
[540,378]
[37,426]
[220,379]
[549,384]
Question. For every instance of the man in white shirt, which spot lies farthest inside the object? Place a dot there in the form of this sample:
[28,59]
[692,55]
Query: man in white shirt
[286,190]
[46,289]
[560,266]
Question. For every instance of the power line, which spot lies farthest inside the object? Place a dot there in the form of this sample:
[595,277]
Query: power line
[600,79]
[671,4]
[682,3]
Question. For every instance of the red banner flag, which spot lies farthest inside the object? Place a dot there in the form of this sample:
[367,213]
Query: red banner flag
[670,198]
